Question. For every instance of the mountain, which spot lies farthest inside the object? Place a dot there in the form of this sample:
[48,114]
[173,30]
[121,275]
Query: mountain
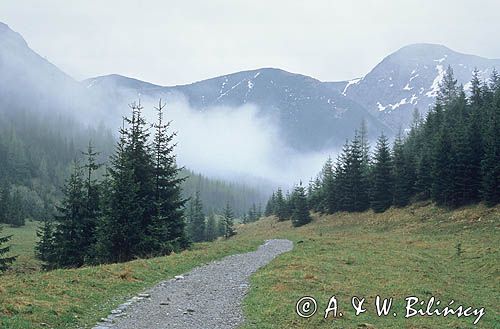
[409,78]
[298,103]
[29,80]
[385,97]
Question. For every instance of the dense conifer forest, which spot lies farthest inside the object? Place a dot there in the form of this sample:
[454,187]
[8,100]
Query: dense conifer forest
[141,204]
[451,157]
[83,186]
[37,153]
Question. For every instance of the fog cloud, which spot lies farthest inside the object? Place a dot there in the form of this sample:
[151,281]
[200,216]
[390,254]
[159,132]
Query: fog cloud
[236,143]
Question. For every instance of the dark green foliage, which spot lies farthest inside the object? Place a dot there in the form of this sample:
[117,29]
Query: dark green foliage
[70,241]
[452,157]
[490,164]
[36,154]
[45,249]
[142,216]
[382,178]
[135,211]
[216,193]
[327,190]
[5,261]
[196,219]
[402,174]
[228,222]
[314,195]
[271,205]
[167,230]
[280,206]
[300,211]
[211,228]
[253,214]
[351,178]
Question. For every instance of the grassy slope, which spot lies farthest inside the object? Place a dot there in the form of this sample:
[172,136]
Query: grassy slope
[405,252]
[411,251]
[79,297]
[21,245]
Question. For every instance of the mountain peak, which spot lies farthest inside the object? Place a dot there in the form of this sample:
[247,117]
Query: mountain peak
[10,37]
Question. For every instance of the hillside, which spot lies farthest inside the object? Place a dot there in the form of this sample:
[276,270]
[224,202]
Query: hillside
[409,78]
[420,250]
[294,104]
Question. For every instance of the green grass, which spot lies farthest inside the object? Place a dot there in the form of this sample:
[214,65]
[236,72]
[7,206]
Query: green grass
[80,297]
[22,243]
[402,252]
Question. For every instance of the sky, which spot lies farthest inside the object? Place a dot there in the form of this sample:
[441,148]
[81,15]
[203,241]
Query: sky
[174,42]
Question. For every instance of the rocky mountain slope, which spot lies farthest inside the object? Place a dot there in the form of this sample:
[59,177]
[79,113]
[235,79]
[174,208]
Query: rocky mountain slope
[409,78]
[310,114]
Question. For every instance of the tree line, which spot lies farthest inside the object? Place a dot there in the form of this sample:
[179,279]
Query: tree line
[452,157]
[201,227]
[36,153]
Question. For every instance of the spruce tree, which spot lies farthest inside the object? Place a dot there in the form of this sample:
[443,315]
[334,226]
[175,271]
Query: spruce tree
[442,179]
[382,180]
[70,242]
[228,221]
[423,172]
[168,227]
[5,261]
[448,90]
[300,212]
[315,195]
[139,152]
[287,206]
[281,210]
[92,203]
[270,206]
[45,249]
[490,164]
[365,148]
[211,229]
[120,232]
[197,219]
[342,194]
[401,174]
[328,195]
[357,198]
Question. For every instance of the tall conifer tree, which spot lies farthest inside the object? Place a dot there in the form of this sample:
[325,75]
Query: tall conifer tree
[382,180]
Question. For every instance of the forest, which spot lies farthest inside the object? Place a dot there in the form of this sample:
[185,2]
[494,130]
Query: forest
[140,204]
[57,171]
[451,157]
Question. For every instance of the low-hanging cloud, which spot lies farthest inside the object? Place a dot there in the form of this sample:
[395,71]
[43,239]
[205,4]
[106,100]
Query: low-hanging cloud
[236,143]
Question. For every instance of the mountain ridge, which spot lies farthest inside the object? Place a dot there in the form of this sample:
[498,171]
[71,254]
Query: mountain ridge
[385,97]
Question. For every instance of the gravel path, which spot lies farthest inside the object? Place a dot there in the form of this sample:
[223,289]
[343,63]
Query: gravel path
[209,296]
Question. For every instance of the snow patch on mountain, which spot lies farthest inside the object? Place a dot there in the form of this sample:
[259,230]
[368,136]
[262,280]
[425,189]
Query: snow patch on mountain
[381,107]
[225,93]
[437,80]
[350,83]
